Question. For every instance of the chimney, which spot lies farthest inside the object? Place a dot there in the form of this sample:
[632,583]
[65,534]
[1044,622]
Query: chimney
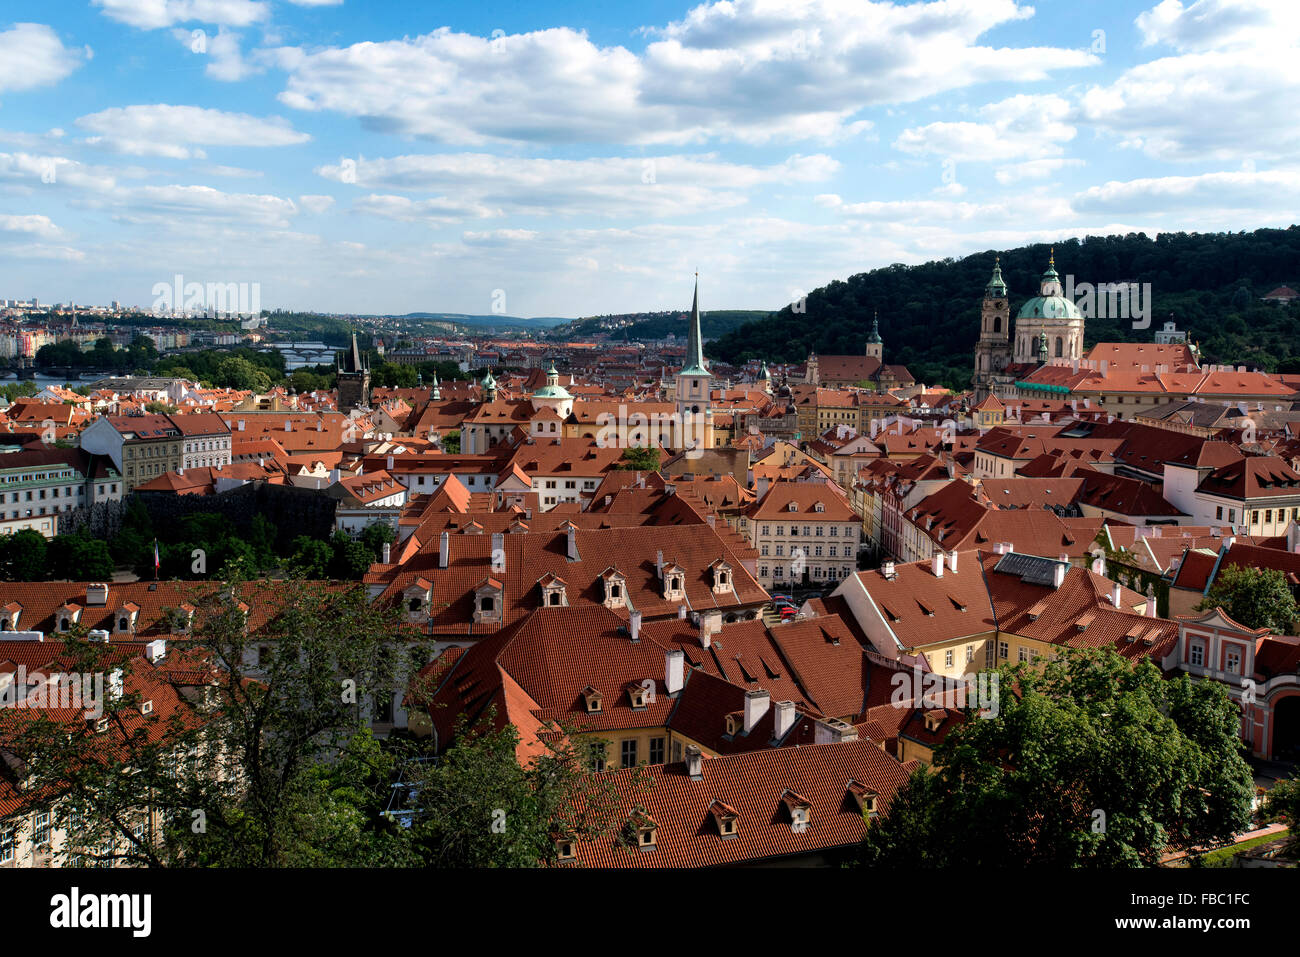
[97,594]
[388,553]
[710,624]
[674,669]
[887,569]
[936,564]
[498,551]
[762,485]
[952,561]
[241,425]
[756,704]
[998,549]
[1114,594]
[712,520]
[572,535]
[783,719]
[659,563]
[320,425]
[1058,576]
[634,626]
[156,650]
[681,612]
[444,548]
[115,685]
[288,425]
[694,762]
[389,466]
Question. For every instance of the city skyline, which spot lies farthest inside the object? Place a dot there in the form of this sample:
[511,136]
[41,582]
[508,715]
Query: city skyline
[575,160]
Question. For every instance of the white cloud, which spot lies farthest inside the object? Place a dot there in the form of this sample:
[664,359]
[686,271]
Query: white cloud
[32,55]
[1034,169]
[1219,24]
[33,224]
[163,130]
[1021,127]
[1240,191]
[750,70]
[315,204]
[486,185]
[153,14]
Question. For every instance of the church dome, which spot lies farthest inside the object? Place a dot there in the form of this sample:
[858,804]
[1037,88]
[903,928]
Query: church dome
[1051,301]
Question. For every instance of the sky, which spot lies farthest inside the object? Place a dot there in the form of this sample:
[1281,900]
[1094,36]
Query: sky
[583,158]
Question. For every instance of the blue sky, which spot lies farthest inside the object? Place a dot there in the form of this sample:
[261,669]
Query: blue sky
[584,158]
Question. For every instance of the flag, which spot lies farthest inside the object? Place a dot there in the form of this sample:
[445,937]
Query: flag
[155,555]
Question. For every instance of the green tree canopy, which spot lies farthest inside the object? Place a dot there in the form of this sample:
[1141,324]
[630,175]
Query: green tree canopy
[1254,597]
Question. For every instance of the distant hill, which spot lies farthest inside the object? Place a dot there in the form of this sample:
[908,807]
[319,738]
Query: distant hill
[635,326]
[480,322]
[929,313]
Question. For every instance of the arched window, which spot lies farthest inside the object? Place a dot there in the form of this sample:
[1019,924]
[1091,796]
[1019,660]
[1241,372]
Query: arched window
[486,603]
[1060,347]
[997,323]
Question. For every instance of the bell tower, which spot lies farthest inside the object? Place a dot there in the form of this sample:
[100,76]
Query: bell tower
[993,350]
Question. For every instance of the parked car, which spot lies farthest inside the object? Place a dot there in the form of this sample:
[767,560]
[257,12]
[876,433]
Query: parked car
[788,612]
[783,598]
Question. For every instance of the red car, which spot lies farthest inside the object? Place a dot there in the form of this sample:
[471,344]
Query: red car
[788,612]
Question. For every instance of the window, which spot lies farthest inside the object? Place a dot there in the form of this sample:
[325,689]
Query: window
[1232,514]
[41,828]
[1004,650]
[1254,516]
[1196,653]
[1026,654]
[598,756]
[1268,515]
[8,841]
[947,658]
[970,653]
[1218,512]
[657,750]
[1232,661]
[628,758]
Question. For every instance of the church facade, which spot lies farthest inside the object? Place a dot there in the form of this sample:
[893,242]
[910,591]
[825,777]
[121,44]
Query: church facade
[1048,326]
[867,369]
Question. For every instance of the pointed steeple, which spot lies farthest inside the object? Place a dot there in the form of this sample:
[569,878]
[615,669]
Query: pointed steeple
[875,328]
[695,342]
[996,289]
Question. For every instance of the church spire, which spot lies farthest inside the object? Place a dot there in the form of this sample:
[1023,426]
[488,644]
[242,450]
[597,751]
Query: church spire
[695,342]
[875,328]
[996,289]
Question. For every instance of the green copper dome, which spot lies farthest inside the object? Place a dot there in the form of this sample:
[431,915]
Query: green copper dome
[875,330]
[996,289]
[1051,302]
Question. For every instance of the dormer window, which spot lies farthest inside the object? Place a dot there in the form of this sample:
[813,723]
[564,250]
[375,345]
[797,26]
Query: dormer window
[639,694]
[799,809]
[566,850]
[792,507]
[615,588]
[734,722]
[867,799]
[594,699]
[417,596]
[488,600]
[819,507]
[126,617]
[725,818]
[554,591]
[9,616]
[722,581]
[933,719]
[146,707]
[643,829]
[674,578]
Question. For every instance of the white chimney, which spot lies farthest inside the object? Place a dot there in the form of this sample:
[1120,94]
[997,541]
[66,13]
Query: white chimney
[572,543]
[634,626]
[694,762]
[681,612]
[288,425]
[756,704]
[674,669]
[936,564]
[388,553]
[783,719]
[156,650]
[498,552]
[1058,576]
[241,425]
[659,563]
[1114,594]
[887,568]
[389,466]
[952,561]
[444,549]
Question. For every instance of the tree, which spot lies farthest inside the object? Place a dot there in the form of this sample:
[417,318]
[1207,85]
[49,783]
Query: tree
[1094,763]
[640,459]
[1283,800]
[451,442]
[1254,597]
[375,536]
[352,558]
[479,807]
[79,557]
[284,723]
[311,557]
[23,556]
[236,372]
